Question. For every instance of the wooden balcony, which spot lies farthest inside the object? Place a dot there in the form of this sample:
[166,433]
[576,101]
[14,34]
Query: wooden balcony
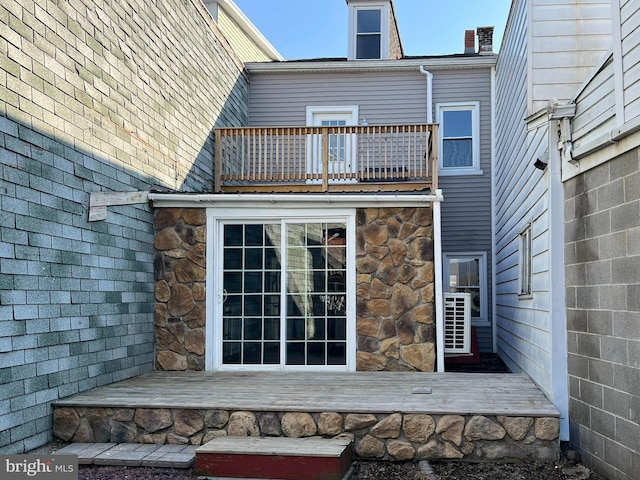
[372,158]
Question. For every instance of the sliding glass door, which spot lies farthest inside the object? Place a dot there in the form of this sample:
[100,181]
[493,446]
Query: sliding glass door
[284,287]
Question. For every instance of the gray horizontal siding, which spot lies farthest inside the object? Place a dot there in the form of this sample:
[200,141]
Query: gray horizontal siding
[466,210]
[382,97]
[397,98]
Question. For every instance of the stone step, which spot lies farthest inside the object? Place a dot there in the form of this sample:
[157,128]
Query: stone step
[272,458]
[131,454]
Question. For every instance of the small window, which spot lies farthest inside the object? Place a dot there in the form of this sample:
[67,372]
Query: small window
[368,34]
[368,30]
[525,261]
[467,273]
[459,139]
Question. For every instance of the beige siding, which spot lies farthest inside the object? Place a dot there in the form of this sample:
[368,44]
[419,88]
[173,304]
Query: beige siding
[244,46]
[567,39]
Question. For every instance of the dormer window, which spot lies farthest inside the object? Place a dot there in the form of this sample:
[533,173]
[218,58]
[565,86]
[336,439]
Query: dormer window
[368,33]
[368,30]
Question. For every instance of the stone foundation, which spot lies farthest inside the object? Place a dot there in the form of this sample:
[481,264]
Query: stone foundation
[395,436]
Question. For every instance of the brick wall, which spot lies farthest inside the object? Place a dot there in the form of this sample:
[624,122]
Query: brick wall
[603,317]
[105,95]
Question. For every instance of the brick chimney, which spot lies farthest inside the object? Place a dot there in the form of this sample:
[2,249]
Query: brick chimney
[469,42]
[485,40]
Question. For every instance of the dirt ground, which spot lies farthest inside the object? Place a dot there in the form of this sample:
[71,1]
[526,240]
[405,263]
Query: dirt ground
[384,471]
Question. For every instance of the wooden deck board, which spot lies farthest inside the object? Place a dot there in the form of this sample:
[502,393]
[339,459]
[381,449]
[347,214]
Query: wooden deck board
[361,392]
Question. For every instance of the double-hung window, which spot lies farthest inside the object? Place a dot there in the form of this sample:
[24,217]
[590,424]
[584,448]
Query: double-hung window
[369,31]
[368,34]
[459,138]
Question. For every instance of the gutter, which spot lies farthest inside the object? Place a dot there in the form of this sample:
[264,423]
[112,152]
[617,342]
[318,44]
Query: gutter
[268,200]
[341,65]
[429,76]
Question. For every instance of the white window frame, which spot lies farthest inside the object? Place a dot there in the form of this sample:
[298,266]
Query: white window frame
[474,169]
[216,218]
[384,28]
[483,319]
[525,262]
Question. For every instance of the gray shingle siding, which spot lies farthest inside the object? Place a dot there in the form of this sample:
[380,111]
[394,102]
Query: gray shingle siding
[94,97]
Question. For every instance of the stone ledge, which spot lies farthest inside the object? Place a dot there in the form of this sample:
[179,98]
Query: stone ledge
[131,454]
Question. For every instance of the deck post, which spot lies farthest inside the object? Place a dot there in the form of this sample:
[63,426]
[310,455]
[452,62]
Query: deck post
[325,159]
[434,157]
[217,187]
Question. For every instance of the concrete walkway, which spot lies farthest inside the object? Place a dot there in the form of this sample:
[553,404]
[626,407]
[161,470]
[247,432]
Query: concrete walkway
[132,454]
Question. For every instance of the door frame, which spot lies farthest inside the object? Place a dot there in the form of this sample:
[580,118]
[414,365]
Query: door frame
[317,113]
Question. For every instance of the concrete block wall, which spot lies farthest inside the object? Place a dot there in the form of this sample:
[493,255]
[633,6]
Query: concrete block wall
[602,256]
[95,95]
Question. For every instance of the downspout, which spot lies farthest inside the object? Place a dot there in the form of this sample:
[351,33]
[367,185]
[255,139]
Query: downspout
[437,243]
[437,267]
[494,334]
[560,149]
[429,76]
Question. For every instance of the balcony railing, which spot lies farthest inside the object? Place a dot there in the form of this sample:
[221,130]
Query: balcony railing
[327,158]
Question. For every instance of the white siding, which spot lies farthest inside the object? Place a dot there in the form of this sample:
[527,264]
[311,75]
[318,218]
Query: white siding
[595,107]
[567,39]
[630,33]
[523,326]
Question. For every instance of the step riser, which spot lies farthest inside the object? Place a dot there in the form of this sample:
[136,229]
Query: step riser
[273,467]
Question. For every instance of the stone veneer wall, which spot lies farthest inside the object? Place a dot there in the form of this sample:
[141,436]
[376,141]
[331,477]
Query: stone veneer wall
[395,289]
[393,436]
[180,307]
[395,278]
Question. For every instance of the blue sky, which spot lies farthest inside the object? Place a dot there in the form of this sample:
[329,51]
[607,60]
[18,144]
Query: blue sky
[318,28]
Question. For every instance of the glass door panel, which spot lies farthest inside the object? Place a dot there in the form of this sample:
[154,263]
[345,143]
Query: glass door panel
[251,303]
[306,323]
[316,294]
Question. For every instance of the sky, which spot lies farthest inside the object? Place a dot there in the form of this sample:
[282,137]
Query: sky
[301,29]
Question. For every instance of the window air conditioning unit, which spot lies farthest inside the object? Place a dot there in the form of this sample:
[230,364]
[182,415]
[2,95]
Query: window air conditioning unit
[457,323]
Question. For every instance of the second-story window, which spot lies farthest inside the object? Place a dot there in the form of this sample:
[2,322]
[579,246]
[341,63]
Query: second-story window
[368,34]
[369,29]
[459,138]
